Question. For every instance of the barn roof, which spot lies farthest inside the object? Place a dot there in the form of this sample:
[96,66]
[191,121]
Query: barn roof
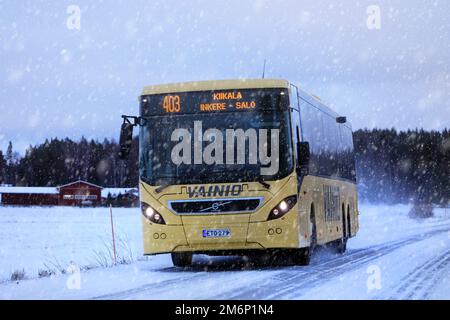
[55,190]
[80,181]
[28,190]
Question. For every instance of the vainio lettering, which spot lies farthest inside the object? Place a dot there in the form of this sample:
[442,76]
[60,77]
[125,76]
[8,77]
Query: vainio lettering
[214,191]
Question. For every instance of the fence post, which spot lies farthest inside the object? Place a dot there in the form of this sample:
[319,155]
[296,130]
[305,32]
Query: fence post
[112,232]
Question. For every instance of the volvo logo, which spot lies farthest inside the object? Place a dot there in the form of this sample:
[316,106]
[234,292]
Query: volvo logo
[215,206]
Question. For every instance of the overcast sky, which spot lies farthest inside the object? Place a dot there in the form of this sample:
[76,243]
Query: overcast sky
[57,81]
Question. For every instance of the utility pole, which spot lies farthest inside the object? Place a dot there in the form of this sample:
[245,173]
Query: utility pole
[113,235]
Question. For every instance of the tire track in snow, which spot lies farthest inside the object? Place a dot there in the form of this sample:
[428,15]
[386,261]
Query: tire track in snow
[197,271]
[418,282]
[288,285]
[147,287]
[286,281]
[291,282]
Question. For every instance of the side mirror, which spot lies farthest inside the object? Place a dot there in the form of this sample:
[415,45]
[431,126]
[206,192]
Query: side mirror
[126,139]
[303,154]
[341,119]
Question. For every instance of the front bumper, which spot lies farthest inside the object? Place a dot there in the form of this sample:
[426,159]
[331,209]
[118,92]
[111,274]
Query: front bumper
[280,233]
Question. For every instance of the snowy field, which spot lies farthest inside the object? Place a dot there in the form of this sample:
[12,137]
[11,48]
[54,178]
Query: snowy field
[392,257]
[50,238]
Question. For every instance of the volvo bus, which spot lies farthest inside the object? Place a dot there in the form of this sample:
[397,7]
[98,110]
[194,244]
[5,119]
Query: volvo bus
[242,167]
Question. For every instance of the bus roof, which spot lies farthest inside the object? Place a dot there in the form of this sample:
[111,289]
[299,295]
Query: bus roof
[316,102]
[215,85]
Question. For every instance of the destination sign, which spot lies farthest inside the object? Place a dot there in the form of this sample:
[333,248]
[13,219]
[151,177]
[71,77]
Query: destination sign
[219,101]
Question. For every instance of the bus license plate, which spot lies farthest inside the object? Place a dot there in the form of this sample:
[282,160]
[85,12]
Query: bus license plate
[216,233]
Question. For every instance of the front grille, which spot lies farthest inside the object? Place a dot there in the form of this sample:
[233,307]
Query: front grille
[211,206]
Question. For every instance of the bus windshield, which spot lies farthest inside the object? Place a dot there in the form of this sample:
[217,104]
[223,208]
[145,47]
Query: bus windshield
[161,137]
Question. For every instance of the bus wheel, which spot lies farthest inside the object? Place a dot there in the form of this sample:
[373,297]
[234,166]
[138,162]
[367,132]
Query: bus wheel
[181,259]
[341,245]
[349,226]
[312,228]
[303,256]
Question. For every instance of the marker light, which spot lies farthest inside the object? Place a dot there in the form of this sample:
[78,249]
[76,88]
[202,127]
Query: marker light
[151,214]
[283,207]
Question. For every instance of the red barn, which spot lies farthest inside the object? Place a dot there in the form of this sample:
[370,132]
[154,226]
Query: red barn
[29,196]
[80,193]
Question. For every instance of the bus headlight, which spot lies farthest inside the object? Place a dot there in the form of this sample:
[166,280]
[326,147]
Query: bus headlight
[151,214]
[283,207]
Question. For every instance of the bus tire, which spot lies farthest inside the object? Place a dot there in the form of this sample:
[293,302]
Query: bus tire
[181,259]
[341,245]
[312,221]
[349,226]
[303,256]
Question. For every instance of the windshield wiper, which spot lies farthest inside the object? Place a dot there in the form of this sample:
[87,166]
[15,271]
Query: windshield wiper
[259,179]
[163,186]
[263,182]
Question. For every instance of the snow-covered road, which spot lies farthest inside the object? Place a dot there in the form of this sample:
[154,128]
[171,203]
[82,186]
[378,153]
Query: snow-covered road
[329,276]
[393,257]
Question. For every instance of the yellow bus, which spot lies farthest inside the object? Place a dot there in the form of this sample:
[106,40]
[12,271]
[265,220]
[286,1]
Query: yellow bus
[251,167]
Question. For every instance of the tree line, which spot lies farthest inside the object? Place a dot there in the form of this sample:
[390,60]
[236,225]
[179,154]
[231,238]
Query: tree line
[392,166]
[405,166]
[57,162]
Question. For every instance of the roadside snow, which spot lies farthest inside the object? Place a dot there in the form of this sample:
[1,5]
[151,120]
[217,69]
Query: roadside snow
[384,223]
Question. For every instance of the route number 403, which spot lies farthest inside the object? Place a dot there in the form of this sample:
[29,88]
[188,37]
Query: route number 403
[171,104]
